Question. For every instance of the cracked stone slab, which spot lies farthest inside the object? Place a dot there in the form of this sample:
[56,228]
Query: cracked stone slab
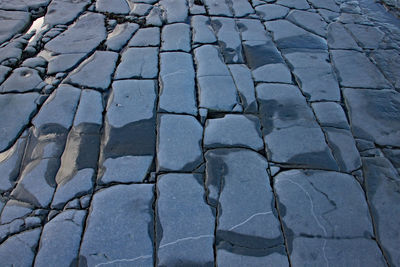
[178,143]
[382,184]
[64,11]
[139,62]
[315,75]
[325,214]
[185,223]
[368,37]
[389,63]
[233,131]
[238,185]
[272,11]
[100,64]
[202,31]
[356,70]
[129,140]
[23,5]
[10,162]
[374,115]
[339,38]
[176,37]
[113,6]
[330,114]
[325,4]
[23,245]
[177,84]
[309,21]
[301,4]
[88,118]
[291,133]
[140,9]
[242,8]
[252,30]
[228,39]
[70,43]
[22,106]
[22,80]
[289,36]
[265,62]
[217,8]
[244,83]
[176,11]
[13,210]
[120,226]
[60,240]
[146,37]
[12,23]
[122,33]
[209,61]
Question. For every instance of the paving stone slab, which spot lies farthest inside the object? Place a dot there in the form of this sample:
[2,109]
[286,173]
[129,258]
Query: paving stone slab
[272,11]
[185,224]
[325,213]
[242,8]
[22,106]
[315,75]
[291,133]
[22,80]
[13,210]
[382,184]
[367,36]
[217,8]
[356,70]
[100,64]
[301,4]
[60,240]
[339,38]
[122,33]
[13,22]
[209,61]
[146,37]
[176,11]
[388,62]
[202,31]
[242,77]
[374,115]
[113,6]
[176,37]
[238,185]
[325,4]
[177,84]
[23,5]
[129,140]
[309,21]
[64,11]
[178,143]
[252,30]
[141,62]
[120,226]
[330,114]
[233,131]
[23,245]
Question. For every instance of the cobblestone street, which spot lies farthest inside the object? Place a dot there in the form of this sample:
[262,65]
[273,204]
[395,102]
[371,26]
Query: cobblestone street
[199,133]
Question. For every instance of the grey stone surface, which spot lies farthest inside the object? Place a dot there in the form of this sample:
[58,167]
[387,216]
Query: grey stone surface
[129,140]
[228,39]
[13,22]
[238,185]
[176,37]
[330,114]
[315,75]
[122,33]
[292,135]
[177,83]
[23,107]
[373,115]
[209,61]
[141,9]
[233,131]
[301,4]
[356,70]
[326,4]
[22,80]
[88,117]
[178,143]
[4,71]
[309,21]
[100,64]
[120,226]
[272,11]
[146,37]
[70,42]
[113,6]
[216,8]
[382,185]
[242,8]
[202,31]
[339,38]
[242,77]
[185,224]
[324,213]
[367,36]
[289,36]
[23,245]
[64,11]
[252,30]
[138,63]
[14,210]
[388,62]
[60,240]
[176,11]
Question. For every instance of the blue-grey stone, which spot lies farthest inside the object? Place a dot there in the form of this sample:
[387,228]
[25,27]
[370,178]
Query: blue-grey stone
[309,21]
[179,143]
[244,83]
[13,210]
[113,6]
[186,223]
[325,4]
[13,22]
[146,37]
[64,11]
[217,8]
[339,38]
[233,130]
[139,62]
[22,80]
[176,37]
[242,8]
[298,4]
[202,31]
[122,33]
[252,30]
[60,240]
[209,61]
[271,11]
[388,62]
[330,114]
[120,226]
[175,11]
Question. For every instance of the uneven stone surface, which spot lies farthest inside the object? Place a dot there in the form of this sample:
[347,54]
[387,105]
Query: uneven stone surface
[199,133]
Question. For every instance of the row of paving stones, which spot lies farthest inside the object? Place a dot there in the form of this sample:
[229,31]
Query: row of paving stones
[206,170]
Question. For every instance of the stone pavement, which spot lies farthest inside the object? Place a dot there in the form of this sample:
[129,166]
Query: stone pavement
[199,133]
